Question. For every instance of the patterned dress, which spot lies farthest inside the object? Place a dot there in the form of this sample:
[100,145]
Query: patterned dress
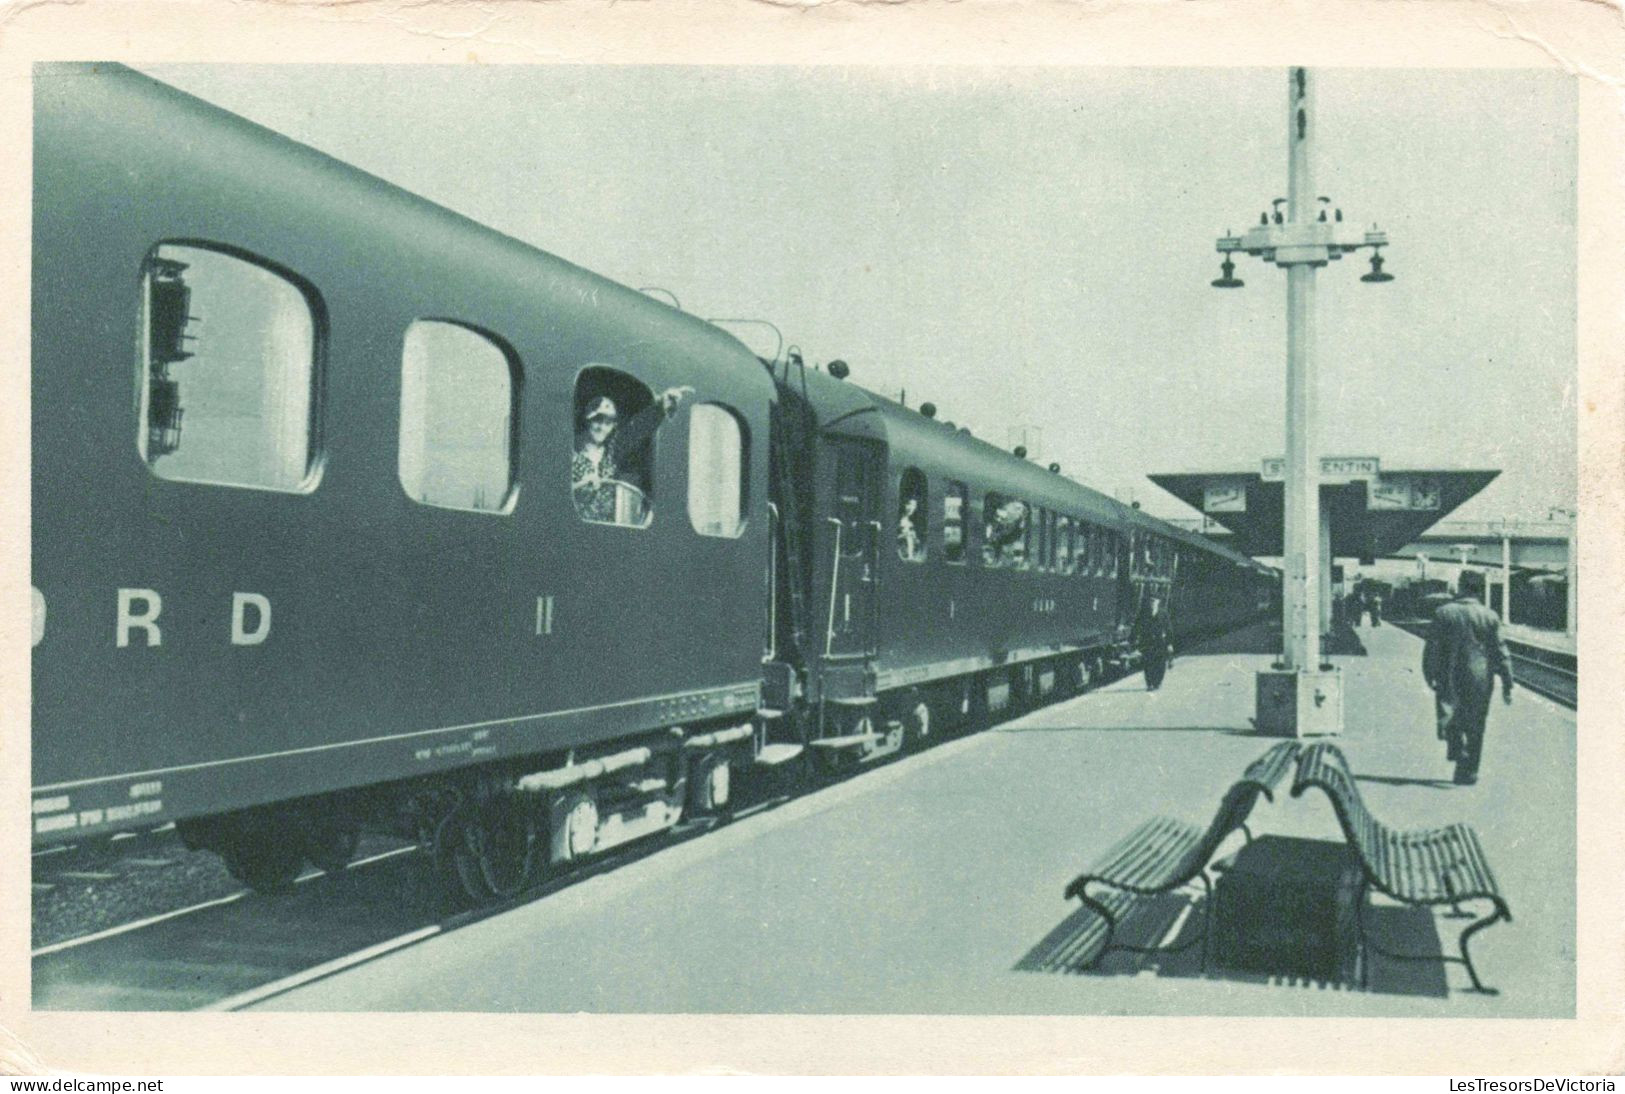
[594,501]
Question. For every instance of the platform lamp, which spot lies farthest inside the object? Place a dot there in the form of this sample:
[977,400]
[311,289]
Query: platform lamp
[1301,696]
[1463,552]
[1572,565]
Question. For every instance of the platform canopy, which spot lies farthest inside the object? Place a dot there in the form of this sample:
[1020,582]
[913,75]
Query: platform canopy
[1372,510]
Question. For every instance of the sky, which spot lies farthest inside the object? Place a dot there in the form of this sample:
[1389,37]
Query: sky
[1030,248]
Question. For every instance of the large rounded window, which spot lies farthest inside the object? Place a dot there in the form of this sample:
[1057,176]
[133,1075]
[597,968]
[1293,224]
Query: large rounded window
[227,388]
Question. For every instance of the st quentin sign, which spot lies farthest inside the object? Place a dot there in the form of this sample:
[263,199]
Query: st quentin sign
[1334,470]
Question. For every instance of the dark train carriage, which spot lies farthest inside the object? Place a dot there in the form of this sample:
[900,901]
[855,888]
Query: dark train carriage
[303,516]
[1215,587]
[1208,587]
[943,573]
[991,560]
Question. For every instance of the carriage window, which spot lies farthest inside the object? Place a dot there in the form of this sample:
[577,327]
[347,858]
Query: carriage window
[457,418]
[226,393]
[612,466]
[1063,532]
[912,504]
[954,502]
[1005,533]
[716,476]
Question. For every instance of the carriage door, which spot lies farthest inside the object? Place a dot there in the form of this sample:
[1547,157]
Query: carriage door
[852,544]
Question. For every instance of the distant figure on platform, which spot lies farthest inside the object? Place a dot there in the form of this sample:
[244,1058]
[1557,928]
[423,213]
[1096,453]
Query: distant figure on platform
[1374,600]
[1354,605]
[1464,655]
[1154,644]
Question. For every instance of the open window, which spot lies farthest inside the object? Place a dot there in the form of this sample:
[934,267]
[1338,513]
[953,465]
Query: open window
[227,387]
[1063,544]
[612,463]
[458,418]
[912,502]
[1006,526]
[716,472]
[955,502]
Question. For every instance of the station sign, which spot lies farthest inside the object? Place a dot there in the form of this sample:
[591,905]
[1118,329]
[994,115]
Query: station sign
[1225,496]
[1334,470]
[1413,493]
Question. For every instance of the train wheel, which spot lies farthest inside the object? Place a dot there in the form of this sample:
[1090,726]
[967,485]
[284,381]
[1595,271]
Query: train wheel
[710,787]
[1066,680]
[502,839]
[980,715]
[265,865]
[457,863]
[331,849]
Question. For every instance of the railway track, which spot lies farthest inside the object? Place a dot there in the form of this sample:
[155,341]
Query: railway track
[242,948]
[1548,672]
[1551,673]
[193,938]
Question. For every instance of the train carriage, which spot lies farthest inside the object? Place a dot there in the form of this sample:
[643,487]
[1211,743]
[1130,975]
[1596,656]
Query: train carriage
[303,513]
[349,512]
[948,576]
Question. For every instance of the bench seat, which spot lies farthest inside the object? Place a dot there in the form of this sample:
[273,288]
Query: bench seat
[1164,854]
[1421,867]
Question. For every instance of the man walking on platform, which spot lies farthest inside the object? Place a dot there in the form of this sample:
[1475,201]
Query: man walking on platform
[1154,644]
[1464,655]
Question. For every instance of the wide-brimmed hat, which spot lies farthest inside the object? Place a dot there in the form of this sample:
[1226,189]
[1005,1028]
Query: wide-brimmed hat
[601,407]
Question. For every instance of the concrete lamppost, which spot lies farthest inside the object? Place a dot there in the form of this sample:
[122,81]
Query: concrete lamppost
[1300,696]
[1506,570]
[1571,609]
[1463,552]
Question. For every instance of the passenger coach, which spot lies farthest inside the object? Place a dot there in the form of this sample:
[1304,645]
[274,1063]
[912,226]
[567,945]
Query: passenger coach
[351,513]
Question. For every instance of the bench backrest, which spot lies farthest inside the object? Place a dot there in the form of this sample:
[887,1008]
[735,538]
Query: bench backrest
[1323,764]
[1259,780]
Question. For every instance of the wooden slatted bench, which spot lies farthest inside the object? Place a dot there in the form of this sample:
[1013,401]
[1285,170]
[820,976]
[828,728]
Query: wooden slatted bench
[1164,854]
[1422,867]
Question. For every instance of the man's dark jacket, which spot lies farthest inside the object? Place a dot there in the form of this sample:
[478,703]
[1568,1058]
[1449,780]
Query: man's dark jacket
[1464,655]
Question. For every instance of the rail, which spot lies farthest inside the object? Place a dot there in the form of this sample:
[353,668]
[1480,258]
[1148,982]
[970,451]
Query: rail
[1551,673]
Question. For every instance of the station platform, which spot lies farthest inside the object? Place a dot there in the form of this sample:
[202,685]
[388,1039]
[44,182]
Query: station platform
[933,885]
[1556,641]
